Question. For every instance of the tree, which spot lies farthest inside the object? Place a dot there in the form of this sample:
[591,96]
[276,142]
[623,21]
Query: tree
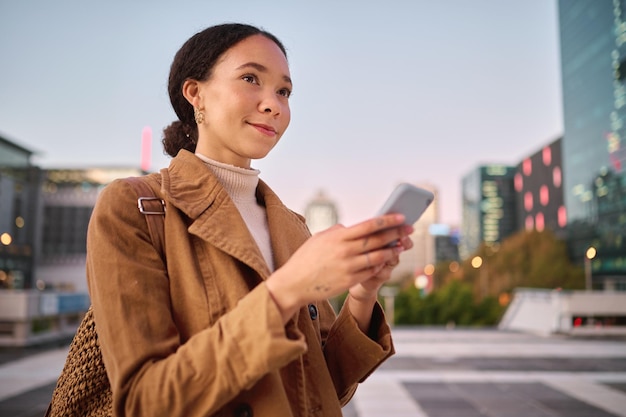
[534,259]
[453,303]
[471,296]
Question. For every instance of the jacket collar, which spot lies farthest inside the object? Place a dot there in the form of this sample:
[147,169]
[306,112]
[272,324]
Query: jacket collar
[288,230]
[192,188]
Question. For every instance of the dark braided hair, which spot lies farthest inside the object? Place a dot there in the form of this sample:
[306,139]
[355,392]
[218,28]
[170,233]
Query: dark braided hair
[195,60]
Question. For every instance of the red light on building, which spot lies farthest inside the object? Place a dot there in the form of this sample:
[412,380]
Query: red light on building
[544,195]
[539,222]
[518,181]
[530,223]
[527,167]
[557,178]
[528,201]
[562,216]
[547,156]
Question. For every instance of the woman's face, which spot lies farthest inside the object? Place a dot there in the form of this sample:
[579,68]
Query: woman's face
[245,102]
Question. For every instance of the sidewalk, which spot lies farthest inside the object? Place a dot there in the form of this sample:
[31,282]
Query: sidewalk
[435,373]
[468,373]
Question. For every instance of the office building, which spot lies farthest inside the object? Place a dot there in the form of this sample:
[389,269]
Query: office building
[68,197]
[446,243]
[321,213]
[593,65]
[44,214]
[488,204]
[538,183]
[19,220]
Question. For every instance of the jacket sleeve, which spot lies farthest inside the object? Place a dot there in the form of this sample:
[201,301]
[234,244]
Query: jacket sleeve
[150,371]
[352,355]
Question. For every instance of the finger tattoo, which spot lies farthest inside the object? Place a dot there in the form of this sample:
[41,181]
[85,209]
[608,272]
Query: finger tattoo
[321,288]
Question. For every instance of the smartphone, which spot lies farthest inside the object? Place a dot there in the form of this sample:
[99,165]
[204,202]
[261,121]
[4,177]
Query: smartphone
[409,200]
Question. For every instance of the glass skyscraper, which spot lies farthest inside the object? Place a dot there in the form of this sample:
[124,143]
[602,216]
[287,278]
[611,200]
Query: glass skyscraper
[488,200]
[593,60]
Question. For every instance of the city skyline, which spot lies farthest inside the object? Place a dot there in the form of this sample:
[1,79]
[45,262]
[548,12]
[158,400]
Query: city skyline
[409,91]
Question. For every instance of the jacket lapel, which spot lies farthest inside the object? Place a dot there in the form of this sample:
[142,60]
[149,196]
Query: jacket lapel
[287,232]
[287,229]
[191,187]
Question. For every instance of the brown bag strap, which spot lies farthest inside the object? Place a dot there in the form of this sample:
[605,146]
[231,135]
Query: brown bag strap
[153,208]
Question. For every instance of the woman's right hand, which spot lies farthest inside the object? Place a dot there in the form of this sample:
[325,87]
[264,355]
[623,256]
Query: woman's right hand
[334,260]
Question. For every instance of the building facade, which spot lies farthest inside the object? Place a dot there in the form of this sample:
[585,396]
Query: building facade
[593,66]
[488,204]
[538,183]
[44,214]
[446,243]
[321,213]
[19,221]
[68,197]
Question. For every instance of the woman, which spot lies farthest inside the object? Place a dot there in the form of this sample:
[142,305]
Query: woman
[233,320]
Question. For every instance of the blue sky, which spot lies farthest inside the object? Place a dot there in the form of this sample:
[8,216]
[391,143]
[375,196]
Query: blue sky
[420,91]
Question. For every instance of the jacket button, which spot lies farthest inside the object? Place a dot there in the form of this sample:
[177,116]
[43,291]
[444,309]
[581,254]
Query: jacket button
[243,410]
[313,311]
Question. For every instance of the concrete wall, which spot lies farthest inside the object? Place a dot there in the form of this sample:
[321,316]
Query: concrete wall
[552,311]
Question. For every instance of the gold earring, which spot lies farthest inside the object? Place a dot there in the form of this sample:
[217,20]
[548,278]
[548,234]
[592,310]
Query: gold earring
[198,115]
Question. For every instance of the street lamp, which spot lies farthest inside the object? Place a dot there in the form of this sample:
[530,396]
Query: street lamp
[589,255]
[477,263]
[421,282]
[389,294]
[6,239]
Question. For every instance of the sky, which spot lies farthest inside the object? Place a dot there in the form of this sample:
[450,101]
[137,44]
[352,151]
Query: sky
[418,91]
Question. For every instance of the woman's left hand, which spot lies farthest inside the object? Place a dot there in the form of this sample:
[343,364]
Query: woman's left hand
[363,295]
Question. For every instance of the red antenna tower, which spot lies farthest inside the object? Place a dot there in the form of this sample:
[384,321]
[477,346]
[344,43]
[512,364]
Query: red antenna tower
[146,148]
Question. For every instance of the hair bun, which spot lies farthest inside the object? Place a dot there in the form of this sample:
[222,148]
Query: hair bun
[179,135]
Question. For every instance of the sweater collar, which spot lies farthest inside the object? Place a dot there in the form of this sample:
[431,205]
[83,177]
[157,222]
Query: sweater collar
[239,183]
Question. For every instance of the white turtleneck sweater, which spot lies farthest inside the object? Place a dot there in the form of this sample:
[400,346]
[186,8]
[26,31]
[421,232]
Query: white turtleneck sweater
[241,184]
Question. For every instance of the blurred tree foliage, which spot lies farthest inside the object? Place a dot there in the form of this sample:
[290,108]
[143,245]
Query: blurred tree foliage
[469,296]
[529,259]
[452,304]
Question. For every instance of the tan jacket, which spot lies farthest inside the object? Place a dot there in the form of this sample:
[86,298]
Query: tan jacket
[202,336]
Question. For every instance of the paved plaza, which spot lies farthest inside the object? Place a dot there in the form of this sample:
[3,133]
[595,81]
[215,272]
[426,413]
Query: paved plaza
[435,373]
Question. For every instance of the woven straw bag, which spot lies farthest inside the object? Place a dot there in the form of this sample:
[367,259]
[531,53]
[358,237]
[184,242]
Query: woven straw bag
[83,388]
